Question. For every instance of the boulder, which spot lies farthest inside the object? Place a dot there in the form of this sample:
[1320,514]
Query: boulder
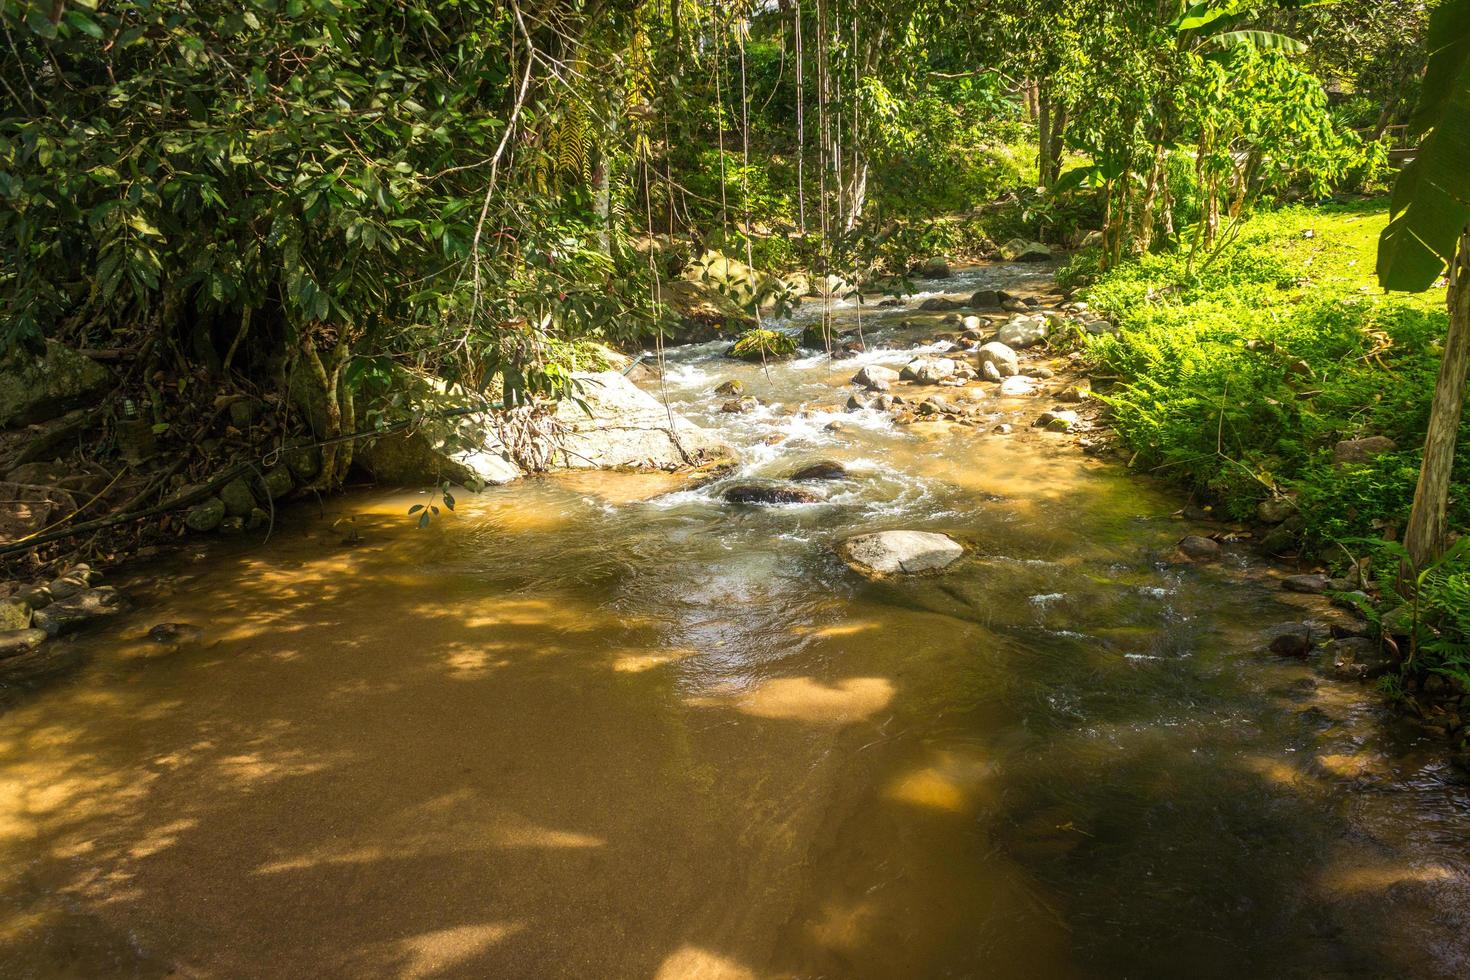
[459,448]
[1307,584]
[1001,356]
[1354,658]
[746,286]
[1199,548]
[929,370]
[15,614]
[985,299]
[205,516]
[71,614]
[14,642]
[760,345]
[907,552]
[1362,450]
[1274,510]
[933,268]
[1017,385]
[763,494]
[1073,394]
[940,304]
[628,428]
[1291,640]
[1024,331]
[1097,326]
[1034,252]
[39,388]
[875,377]
[277,482]
[739,406]
[701,311]
[1056,420]
[237,498]
[826,469]
[731,388]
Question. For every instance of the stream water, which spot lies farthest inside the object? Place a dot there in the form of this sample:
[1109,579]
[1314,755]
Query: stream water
[606,725]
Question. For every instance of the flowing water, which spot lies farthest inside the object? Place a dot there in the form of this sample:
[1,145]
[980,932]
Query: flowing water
[607,726]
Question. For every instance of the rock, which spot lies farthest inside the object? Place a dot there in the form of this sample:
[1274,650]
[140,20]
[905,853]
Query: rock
[929,370]
[1362,450]
[1199,548]
[759,345]
[175,633]
[1292,640]
[817,337]
[833,426]
[739,406]
[1280,540]
[39,388]
[875,377]
[933,268]
[205,516]
[304,464]
[990,372]
[702,311]
[1274,510]
[1003,357]
[974,325]
[257,519]
[985,299]
[1056,420]
[908,552]
[1073,394]
[1004,429]
[827,469]
[243,412]
[136,441]
[739,282]
[237,498]
[939,304]
[277,482]
[1357,658]
[15,614]
[935,405]
[1017,386]
[232,525]
[462,449]
[1024,331]
[67,615]
[629,429]
[1034,252]
[1097,327]
[760,494]
[14,642]
[1306,584]
[733,387]
[69,583]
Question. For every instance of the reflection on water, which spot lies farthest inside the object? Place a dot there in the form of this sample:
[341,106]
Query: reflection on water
[605,725]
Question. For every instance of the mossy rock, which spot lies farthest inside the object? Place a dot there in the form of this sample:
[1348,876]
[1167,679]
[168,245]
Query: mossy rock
[763,345]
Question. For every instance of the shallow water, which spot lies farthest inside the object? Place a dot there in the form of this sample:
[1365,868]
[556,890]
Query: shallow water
[604,725]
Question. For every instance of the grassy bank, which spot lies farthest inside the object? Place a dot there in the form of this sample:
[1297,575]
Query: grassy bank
[1241,379]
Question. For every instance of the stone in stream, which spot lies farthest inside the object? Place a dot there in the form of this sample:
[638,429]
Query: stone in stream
[739,406]
[1274,510]
[1006,363]
[1057,420]
[906,552]
[1023,331]
[1357,658]
[15,642]
[929,370]
[1199,548]
[826,469]
[205,516]
[1307,584]
[939,304]
[875,377]
[15,614]
[1017,386]
[68,615]
[731,388]
[761,494]
[985,299]
[175,633]
[1292,640]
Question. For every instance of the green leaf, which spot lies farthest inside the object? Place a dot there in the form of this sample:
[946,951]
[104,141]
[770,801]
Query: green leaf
[1260,40]
[1449,54]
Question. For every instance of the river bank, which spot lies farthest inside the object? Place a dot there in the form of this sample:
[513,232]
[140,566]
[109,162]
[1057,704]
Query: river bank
[611,724]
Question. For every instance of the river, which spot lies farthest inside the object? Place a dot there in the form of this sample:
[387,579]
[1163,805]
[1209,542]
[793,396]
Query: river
[606,725]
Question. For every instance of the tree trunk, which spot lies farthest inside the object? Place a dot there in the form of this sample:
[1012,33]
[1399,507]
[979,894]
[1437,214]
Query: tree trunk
[1428,521]
[1043,134]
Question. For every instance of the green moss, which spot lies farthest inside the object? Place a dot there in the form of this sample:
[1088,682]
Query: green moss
[763,345]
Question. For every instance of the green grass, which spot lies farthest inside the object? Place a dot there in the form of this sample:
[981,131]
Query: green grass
[1240,379]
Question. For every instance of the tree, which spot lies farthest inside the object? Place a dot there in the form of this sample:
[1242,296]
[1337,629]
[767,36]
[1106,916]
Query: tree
[1429,233]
